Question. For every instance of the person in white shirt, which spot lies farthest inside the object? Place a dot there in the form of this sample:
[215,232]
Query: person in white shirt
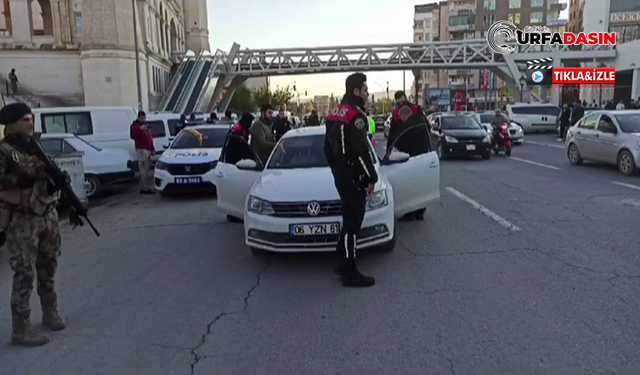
[620,105]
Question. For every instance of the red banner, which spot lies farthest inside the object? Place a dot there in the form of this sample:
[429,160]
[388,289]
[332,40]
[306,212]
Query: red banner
[584,76]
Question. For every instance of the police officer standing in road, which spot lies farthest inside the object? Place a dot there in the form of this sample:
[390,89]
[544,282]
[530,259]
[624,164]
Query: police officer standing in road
[29,225]
[349,156]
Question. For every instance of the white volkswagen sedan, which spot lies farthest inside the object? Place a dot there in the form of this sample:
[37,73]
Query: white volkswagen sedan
[188,163]
[292,205]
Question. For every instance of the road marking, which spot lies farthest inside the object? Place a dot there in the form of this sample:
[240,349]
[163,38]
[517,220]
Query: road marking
[544,144]
[485,211]
[626,185]
[535,163]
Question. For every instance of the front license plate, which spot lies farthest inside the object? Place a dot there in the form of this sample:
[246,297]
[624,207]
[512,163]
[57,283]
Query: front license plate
[188,180]
[314,229]
[471,147]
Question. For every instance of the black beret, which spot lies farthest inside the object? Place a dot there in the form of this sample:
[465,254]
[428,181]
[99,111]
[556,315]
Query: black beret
[13,112]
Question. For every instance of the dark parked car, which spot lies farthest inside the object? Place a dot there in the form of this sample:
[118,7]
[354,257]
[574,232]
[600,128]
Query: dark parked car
[379,122]
[456,134]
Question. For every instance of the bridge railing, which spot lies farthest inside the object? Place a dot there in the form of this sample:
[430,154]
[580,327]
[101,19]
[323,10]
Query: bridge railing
[446,54]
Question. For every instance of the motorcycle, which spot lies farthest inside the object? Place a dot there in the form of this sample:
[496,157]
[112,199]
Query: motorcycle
[503,142]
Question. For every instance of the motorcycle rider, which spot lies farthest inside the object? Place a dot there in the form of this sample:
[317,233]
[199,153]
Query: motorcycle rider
[497,120]
[348,154]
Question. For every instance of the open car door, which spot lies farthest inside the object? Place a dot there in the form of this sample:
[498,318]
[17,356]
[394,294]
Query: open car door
[232,183]
[415,182]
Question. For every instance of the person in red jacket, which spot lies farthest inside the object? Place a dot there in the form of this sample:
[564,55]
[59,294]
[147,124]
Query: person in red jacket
[141,135]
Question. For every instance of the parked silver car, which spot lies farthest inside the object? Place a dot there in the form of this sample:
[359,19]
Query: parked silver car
[611,137]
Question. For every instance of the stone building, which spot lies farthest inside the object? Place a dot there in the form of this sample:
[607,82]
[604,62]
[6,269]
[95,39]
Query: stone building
[81,52]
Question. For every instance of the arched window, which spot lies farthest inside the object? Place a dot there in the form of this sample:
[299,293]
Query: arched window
[41,17]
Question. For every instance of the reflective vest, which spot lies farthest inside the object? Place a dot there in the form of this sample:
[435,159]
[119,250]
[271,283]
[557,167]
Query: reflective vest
[372,125]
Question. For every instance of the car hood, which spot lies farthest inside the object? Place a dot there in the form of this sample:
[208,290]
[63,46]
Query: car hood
[190,155]
[466,133]
[298,185]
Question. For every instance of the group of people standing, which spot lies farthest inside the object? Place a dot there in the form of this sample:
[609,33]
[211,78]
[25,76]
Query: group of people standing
[264,132]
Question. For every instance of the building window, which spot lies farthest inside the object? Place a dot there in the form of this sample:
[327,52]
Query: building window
[625,34]
[514,4]
[536,17]
[78,18]
[489,4]
[427,24]
[489,19]
[514,18]
[537,3]
[427,37]
[419,38]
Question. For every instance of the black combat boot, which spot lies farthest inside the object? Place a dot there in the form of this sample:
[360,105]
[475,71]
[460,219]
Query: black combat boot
[344,269]
[24,334]
[50,316]
[355,279]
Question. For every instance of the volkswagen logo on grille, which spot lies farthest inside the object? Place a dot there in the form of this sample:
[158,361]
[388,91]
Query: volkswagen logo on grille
[187,168]
[313,208]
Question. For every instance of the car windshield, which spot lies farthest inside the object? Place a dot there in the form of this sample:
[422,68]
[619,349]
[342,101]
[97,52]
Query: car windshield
[301,152]
[459,122]
[200,138]
[89,144]
[486,119]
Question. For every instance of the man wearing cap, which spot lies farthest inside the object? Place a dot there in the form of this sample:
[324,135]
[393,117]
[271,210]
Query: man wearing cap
[262,139]
[29,225]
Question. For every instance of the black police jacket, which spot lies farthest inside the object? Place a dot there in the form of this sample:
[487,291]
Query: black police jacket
[346,145]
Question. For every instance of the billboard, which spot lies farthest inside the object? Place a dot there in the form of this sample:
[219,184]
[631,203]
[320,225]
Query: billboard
[440,96]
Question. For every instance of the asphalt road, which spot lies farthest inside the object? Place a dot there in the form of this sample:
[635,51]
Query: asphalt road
[528,265]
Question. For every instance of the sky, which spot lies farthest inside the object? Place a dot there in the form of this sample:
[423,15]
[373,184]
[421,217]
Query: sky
[290,23]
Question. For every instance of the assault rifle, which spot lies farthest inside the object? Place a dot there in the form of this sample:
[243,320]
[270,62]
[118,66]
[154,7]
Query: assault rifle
[63,182]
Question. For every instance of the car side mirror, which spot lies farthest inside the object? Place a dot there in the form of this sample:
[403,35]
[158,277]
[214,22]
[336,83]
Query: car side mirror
[165,146]
[247,165]
[396,158]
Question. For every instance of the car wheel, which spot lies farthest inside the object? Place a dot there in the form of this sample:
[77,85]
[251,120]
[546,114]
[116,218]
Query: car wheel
[258,252]
[487,155]
[234,220]
[574,155]
[626,164]
[92,185]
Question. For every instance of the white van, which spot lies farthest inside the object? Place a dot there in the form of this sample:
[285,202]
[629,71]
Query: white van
[106,127]
[535,116]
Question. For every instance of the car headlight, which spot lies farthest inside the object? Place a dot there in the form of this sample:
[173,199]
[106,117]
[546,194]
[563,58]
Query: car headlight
[487,139]
[260,206]
[450,139]
[377,200]
[161,165]
[213,164]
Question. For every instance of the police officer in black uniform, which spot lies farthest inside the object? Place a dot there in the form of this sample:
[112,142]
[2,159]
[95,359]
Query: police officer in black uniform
[350,158]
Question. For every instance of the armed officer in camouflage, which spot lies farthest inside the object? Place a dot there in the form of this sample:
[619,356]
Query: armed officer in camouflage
[28,225]
[350,158]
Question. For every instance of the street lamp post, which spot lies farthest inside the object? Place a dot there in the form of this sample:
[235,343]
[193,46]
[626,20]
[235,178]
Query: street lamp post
[522,82]
[135,46]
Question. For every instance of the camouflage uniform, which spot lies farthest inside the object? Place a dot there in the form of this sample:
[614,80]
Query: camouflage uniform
[29,220]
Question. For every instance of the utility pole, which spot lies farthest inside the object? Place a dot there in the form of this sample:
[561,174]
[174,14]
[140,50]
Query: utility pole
[135,46]
[403,82]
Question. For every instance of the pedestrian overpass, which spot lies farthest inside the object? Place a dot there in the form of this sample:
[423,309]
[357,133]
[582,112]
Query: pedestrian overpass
[198,86]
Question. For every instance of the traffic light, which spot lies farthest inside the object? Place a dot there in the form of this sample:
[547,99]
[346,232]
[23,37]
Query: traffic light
[305,92]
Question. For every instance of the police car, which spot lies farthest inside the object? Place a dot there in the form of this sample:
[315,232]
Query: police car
[188,163]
